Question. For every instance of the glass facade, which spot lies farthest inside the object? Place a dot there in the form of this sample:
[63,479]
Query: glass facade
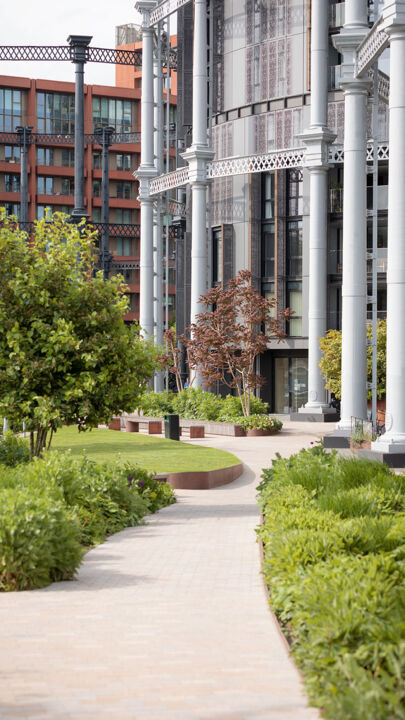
[10,109]
[110,111]
[290,383]
[55,113]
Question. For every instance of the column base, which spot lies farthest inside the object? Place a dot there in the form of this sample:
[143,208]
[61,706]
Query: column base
[389,445]
[392,459]
[340,438]
[318,413]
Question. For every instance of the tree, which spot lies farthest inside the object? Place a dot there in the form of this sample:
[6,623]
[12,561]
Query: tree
[330,364]
[226,339]
[66,355]
[171,359]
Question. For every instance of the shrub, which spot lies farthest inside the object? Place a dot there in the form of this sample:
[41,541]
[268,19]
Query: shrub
[260,422]
[154,404]
[231,408]
[334,560]
[39,540]
[197,404]
[155,493]
[13,450]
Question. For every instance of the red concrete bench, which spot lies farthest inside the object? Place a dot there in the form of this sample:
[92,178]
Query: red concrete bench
[153,427]
[193,431]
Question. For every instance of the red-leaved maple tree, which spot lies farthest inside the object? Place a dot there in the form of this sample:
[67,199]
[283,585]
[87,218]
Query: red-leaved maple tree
[228,336]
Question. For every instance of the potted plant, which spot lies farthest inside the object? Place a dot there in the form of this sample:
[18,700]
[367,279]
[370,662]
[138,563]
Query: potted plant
[257,425]
[360,439]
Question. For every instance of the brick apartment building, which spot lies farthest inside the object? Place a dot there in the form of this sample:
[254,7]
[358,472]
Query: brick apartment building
[48,107]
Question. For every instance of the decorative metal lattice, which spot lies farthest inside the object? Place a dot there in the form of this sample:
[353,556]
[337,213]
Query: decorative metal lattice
[59,139]
[65,53]
[256,163]
[336,153]
[119,229]
[128,265]
[164,9]
[371,48]
[168,181]
[177,208]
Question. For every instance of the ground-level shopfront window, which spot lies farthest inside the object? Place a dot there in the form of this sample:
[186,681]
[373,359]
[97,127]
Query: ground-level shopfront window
[290,383]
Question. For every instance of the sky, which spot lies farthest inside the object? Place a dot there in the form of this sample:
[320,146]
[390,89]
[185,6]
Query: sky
[50,22]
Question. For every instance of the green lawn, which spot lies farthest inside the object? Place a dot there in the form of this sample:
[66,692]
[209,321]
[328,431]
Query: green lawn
[154,454]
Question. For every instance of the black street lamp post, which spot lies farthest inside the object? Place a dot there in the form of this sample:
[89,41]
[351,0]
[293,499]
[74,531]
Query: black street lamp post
[24,134]
[104,136]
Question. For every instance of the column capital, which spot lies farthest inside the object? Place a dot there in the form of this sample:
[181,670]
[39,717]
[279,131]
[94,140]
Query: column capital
[393,16]
[79,47]
[317,140]
[347,42]
[197,157]
[145,7]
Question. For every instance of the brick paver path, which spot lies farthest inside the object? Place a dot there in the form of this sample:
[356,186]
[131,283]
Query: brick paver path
[168,621]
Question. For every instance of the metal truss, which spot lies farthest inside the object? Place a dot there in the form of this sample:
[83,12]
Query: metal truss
[69,139]
[164,9]
[169,181]
[53,53]
[371,48]
[118,229]
[256,163]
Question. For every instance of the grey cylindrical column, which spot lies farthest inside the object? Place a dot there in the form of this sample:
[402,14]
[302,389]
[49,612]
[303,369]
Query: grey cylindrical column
[79,44]
[354,281]
[393,440]
[25,139]
[317,140]
[104,137]
[158,381]
[145,173]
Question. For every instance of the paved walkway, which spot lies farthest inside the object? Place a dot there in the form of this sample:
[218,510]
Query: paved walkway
[168,621]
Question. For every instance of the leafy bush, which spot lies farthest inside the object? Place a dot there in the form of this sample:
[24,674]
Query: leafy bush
[154,404]
[51,505]
[13,450]
[39,540]
[197,404]
[334,560]
[231,408]
[260,422]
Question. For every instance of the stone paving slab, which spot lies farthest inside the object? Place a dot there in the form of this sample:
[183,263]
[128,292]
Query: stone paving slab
[167,621]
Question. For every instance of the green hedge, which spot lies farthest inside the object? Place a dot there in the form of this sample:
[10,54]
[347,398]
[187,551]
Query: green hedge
[13,450]
[334,561]
[197,404]
[52,507]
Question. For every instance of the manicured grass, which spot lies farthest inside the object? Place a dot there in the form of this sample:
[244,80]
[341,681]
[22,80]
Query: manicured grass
[154,454]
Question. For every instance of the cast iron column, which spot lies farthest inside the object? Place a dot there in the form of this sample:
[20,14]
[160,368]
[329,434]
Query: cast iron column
[197,157]
[393,440]
[158,382]
[24,134]
[104,137]
[146,172]
[354,283]
[317,140]
[79,54]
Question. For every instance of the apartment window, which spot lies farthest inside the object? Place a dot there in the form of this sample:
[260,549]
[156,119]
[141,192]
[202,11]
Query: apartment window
[96,188]
[10,109]
[67,186]
[268,196]
[45,185]
[12,209]
[123,217]
[294,248]
[123,161]
[294,302]
[109,111]
[12,183]
[45,156]
[295,189]
[133,302]
[268,250]
[270,294]
[68,157]
[124,190]
[55,113]
[44,211]
[123,246]
[96,161]
[96,214]
[217,256]
[12,153]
